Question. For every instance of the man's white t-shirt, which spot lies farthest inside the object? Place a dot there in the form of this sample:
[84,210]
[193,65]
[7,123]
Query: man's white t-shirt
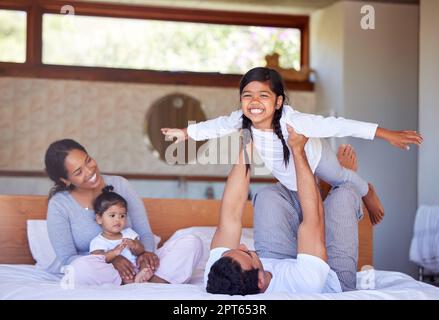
[306,274]
[102,243]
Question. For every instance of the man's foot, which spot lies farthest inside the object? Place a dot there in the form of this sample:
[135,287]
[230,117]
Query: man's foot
[144,275]
[347,157]
[373,205]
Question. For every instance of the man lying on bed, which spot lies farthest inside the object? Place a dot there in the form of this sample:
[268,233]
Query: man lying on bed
[233,269]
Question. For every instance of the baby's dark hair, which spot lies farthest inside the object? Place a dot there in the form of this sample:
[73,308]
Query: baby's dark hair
[276,83]
[107,199]
[227,277]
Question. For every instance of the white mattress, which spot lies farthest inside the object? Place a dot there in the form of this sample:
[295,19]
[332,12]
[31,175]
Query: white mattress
[30,282]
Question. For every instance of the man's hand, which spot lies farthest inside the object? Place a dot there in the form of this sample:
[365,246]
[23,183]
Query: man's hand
[171,133]
[400,139]
[296,141]
[124,267]
[148,260]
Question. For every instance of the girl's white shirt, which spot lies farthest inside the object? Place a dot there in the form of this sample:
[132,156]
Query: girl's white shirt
[270,147]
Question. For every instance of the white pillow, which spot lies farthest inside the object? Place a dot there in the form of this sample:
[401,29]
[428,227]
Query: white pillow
[39,243]
[206,235]
[41,247]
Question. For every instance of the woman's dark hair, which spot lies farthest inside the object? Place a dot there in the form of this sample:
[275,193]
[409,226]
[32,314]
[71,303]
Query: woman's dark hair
[107,199]
[227,277]
[54,160]
[275,81]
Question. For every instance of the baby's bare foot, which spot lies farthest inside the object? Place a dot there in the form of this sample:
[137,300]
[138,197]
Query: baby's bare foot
[144,275]
[347,157]
[374,206]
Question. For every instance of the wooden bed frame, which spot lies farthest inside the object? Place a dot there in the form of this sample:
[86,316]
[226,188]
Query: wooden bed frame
[165,216]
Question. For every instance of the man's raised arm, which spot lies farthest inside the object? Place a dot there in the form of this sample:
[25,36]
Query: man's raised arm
[228,232]
[311,234]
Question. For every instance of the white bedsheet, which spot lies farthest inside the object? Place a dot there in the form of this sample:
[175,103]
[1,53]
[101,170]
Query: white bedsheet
[30,282]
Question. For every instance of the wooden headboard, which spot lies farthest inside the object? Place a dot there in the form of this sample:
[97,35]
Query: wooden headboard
[165,216]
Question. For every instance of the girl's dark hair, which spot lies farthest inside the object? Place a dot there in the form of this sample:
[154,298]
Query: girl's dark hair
[54,161]
[107,199]
[275,81]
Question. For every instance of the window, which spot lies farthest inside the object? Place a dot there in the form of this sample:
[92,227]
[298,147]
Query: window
[164,45]
[134,43]
[12,36]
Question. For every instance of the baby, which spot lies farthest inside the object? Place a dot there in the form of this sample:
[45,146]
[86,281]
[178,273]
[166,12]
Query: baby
[115,239]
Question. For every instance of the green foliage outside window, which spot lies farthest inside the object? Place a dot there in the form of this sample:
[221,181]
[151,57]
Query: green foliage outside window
[164,45]
[12,36]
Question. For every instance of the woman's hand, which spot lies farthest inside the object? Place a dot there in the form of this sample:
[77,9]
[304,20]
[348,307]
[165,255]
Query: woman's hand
[148,260]
[124,267]
[171,133]
[296,141]
[400,139]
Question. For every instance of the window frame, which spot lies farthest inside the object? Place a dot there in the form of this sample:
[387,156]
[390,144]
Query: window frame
[34,68]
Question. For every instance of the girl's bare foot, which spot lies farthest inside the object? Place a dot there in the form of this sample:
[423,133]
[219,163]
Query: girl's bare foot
[347,157]
[144,275]
[373,205]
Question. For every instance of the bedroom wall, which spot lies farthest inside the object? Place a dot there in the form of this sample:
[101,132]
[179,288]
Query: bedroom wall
[108,119]
[429,104]
[327,43]
[376,76]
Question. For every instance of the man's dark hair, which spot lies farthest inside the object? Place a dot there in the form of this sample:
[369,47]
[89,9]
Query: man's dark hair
[227,277]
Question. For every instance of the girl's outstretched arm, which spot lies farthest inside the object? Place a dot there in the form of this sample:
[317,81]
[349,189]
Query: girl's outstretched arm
[171,133]
[317,126]
[400,139]
[209,129]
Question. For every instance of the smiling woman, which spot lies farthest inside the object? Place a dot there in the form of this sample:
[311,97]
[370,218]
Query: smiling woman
[56,161]
[72,225]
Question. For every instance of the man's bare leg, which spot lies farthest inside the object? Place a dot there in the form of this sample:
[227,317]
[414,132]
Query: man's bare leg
[348,158]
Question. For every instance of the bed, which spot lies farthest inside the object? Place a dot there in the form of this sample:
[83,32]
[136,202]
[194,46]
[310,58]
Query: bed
[20,278]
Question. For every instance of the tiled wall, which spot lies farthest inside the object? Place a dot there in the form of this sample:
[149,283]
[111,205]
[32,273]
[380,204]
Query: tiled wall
[106,117]
[144,188]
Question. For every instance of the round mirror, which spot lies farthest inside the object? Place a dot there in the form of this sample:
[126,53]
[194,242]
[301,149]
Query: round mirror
[171,111]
